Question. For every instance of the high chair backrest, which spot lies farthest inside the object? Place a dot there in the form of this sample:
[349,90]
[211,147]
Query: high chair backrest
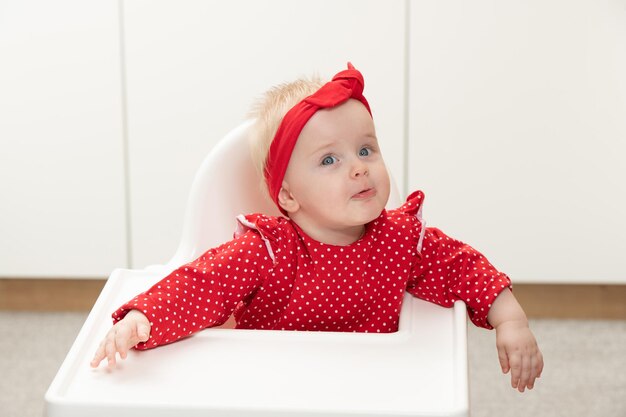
[226,185]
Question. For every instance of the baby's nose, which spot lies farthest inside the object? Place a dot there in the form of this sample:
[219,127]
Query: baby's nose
[359,169]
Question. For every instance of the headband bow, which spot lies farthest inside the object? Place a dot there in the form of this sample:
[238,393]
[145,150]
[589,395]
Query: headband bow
[345,85]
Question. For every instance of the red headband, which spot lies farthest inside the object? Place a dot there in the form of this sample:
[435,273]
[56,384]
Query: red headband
[344,85]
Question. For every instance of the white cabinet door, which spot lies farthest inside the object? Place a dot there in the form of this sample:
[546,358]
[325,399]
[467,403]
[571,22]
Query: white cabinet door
[194,67]
[62,211]
[518,132]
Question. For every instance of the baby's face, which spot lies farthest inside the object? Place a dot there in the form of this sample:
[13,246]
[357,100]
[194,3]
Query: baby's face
[336,175]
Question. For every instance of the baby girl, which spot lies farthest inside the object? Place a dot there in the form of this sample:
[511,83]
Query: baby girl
[337,260]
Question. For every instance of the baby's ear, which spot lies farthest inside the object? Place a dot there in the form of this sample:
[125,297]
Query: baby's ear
[286,200]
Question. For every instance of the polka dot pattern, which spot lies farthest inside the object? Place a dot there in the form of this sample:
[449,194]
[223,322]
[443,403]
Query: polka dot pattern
[274,276]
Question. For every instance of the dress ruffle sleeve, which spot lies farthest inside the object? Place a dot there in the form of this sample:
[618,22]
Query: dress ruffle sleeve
[413,208]
[447,270]
[269,229]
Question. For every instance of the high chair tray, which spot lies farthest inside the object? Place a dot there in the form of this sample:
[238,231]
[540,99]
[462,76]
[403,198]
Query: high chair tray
[421,370]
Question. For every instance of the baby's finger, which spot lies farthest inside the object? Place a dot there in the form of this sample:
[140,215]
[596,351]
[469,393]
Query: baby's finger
[539,364]
[533,372]
[143,332]
[537,367]
[504,360]
[122,338]
[110,348]
[515,363]
[525,375]
[99,355]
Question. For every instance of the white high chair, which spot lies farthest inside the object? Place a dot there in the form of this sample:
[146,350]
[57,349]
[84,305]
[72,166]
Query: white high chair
[421,370]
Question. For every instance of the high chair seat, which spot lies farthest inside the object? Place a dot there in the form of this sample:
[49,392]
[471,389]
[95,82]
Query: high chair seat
[421,370]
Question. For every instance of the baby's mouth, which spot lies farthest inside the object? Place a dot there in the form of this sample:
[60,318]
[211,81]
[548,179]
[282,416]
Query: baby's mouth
[366,193]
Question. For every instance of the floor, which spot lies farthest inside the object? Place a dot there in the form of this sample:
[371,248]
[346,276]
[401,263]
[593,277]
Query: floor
[585,373]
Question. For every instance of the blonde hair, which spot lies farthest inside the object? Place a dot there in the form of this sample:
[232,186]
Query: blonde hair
[268,111]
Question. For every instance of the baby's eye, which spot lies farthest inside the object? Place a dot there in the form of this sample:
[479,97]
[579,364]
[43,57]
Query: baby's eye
[365,152]
[329,160]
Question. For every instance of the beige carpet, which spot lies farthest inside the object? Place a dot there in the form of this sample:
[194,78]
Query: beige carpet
[585,373]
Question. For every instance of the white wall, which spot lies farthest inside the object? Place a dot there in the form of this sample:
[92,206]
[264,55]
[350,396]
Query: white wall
[518,132]
[62,205]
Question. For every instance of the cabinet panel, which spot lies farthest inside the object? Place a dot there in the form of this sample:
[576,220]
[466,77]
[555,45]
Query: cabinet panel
[518,135]
[194,68]
[62,211]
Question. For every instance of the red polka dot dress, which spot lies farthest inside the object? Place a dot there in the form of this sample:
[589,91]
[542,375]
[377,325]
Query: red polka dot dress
[274,276]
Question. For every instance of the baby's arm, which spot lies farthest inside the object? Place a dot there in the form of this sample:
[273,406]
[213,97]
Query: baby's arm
[451,270]
[517,347]
[200,294]
[126,333]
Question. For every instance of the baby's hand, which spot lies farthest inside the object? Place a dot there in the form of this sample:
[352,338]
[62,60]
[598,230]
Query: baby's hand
[519,353]
[126,333]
